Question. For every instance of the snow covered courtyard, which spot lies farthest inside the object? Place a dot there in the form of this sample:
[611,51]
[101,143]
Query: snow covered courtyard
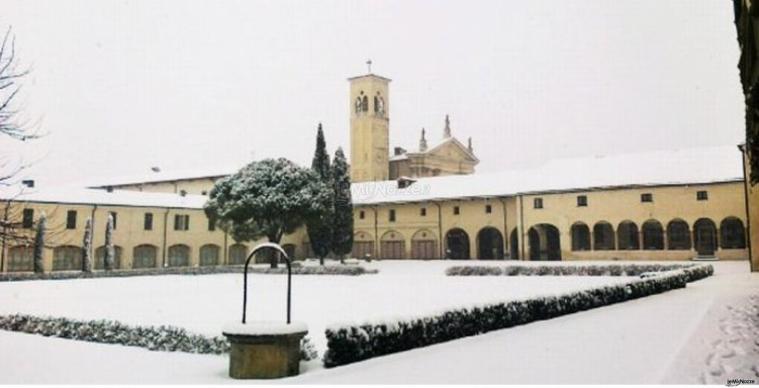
[673,337]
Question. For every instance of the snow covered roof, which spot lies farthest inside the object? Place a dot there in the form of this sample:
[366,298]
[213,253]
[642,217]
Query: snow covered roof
[105,198]
[167,176]
[670,167]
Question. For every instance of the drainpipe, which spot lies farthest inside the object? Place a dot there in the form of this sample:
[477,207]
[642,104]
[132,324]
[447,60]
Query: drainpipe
[92,217]
[439,229]
[376,233]
[165,234]
[521,227]
[748,213]
[506,236]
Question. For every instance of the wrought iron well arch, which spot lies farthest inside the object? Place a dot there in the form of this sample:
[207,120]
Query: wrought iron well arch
[258,248]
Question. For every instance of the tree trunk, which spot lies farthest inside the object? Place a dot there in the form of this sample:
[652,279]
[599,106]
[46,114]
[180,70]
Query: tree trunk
[274,256]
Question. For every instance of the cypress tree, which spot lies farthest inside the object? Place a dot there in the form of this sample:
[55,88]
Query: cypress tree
[108,256]
[39,244]
[342,235]
[87,247]
[319,226]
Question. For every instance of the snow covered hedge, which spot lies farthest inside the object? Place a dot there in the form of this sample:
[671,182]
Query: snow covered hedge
[352,343]
[205,270]
[162,338]
[565,270]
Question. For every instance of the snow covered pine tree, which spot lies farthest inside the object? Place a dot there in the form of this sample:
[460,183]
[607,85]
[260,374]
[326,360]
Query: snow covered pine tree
[342,227]
[319,227]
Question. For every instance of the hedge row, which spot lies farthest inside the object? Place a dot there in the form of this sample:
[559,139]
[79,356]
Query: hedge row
[348,344]
[162,338]
[564,270]
[351,270]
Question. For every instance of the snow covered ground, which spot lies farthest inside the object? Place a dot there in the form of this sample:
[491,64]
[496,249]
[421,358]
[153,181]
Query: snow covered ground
[204,304]
[686,335]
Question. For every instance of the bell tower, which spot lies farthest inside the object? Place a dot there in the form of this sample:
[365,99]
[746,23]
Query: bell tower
[369,122]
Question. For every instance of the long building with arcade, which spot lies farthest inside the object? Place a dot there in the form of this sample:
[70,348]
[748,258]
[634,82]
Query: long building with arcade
[424,203]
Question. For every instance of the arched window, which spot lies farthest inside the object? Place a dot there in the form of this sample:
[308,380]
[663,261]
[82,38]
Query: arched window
[627,236]
[21,259]
[603,237]
[545,242]
[424,245]
[365,104]
[653,235]
[489,244]
[580,237]
[100,257]
[705,237]
[392,246]
[67,258]
[144,256]
[209,254]
[238,253]
[363,245]
[457,244]
[732,233]
[678,235]
[179,255]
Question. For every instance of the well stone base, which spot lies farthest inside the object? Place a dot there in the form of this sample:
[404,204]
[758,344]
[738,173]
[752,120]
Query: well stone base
[264,356]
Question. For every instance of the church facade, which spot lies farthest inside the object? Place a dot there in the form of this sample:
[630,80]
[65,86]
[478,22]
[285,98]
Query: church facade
[427,203]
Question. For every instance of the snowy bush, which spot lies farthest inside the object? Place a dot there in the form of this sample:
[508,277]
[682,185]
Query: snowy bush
[162,338]
[297,269]
[565,270]
[352,343]
[472,270]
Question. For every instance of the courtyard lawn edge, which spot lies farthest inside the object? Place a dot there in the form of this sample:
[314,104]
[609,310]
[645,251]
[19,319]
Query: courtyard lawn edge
[208,270]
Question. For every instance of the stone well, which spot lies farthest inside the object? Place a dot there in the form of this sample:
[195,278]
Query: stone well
[264,350]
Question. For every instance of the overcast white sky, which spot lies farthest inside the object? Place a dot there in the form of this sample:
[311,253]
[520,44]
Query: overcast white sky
[120,86]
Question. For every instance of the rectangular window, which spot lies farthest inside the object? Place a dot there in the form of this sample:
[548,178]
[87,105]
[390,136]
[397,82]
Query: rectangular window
[181,222]
[488,209]
[71,219]
[28,221]
[647,197]
[456,210]
[423,212]
[702,195]
[582,200]
[537,203]
[148,222]
[392,215]
[211,224]
[113,215]
[361,215]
